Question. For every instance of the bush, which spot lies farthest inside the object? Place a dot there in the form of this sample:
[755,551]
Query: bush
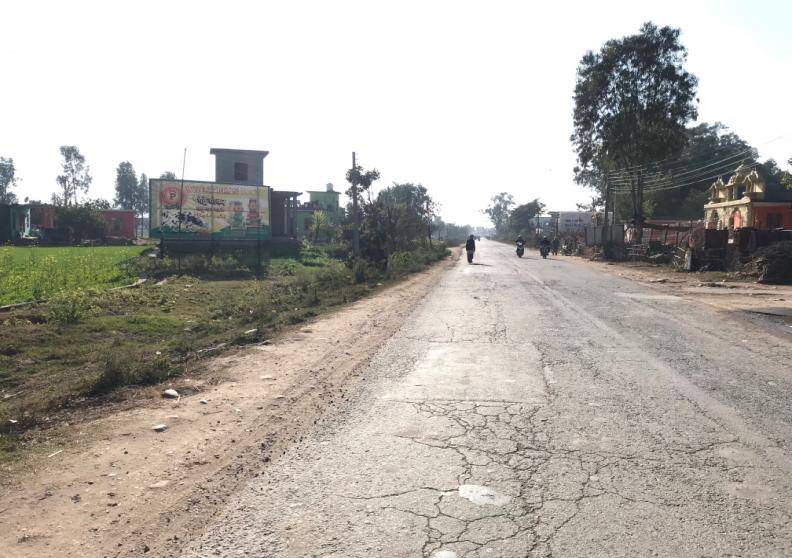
[120,370]
[69,307]
[363,271]
[115,374]
[155,371]
[76,223]
[403,262]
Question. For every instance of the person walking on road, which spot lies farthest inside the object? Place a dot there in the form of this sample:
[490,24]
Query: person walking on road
[470,248]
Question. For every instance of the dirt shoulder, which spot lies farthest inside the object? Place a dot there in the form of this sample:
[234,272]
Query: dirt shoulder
[717,289]
[113,486]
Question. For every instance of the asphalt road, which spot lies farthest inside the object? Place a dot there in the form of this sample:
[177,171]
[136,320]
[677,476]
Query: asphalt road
[541,408]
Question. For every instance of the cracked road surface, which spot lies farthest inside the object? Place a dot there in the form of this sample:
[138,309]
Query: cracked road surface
[540,408]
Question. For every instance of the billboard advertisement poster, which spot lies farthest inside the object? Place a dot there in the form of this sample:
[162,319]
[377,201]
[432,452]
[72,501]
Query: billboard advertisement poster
[208,210]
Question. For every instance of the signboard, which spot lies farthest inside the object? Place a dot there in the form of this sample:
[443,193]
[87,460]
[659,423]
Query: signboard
[208,210]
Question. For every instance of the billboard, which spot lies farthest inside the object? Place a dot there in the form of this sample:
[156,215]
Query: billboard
[208,210]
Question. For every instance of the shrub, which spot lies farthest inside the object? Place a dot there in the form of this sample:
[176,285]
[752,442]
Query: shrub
[403,262]
[115,374]
[69,307]
[76,223]
[363,271]
[120,370]
[155,371]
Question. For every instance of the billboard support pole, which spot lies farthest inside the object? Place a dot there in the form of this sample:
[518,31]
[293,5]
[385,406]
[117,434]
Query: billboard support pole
[181,201]
[258,232]
[211,221]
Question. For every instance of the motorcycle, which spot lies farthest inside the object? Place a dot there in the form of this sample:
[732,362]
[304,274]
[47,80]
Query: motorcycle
[544,250]
[520,249]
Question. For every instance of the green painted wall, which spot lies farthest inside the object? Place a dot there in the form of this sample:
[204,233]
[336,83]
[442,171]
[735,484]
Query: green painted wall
[327,200]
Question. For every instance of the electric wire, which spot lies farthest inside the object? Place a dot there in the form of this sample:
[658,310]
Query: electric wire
[632,170]
[689,178]
[674,186]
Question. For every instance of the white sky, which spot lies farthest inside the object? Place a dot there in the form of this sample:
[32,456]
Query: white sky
[468,98]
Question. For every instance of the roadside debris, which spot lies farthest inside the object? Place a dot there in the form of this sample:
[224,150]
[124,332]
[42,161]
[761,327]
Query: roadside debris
[160,427]
[722,284]
[170,394]
[772,264]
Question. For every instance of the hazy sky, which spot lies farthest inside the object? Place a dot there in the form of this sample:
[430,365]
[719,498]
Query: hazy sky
[468,98]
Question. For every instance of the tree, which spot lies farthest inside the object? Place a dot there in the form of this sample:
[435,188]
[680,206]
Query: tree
[97,204]
[318,224]
[776,179]
[126,186]
[633,100]
[787,180]
[420,206]
[395,221]
[8,180]
[141,204]
[521,219]
[168,175]
[75,178]
[360,181]
[499,210]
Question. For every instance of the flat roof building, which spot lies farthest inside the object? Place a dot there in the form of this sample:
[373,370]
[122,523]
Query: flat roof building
[239,166]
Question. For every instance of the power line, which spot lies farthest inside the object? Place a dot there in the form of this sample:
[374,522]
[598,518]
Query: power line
[630,170]
[682,165]
[721,167]
[691,177]
[675,186]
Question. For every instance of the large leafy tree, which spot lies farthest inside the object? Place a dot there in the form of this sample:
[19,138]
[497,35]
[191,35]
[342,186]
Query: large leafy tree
[76,176]
[394,221]
[8,180]
[633,100]
[521,218]
[499,210]
[126,186]
[420,206]
[168,175]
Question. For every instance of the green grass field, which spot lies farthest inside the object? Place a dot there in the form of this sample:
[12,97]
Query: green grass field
[37,273]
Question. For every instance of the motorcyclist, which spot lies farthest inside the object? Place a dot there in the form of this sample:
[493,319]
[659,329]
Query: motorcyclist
[545,242]
[519,240]
[470,248]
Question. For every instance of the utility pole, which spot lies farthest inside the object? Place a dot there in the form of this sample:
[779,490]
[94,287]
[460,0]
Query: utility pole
[639,216]
[606,230]
[356,230]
